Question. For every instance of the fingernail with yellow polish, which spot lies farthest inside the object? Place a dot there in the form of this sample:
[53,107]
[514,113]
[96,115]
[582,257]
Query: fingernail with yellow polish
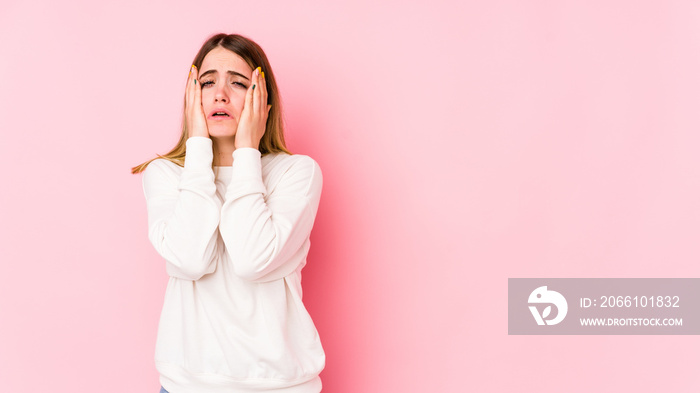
[263,74]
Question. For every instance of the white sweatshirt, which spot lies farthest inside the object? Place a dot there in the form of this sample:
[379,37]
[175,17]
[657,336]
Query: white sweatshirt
[234,240]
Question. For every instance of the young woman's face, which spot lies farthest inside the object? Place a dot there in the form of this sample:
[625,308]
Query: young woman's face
[224,77]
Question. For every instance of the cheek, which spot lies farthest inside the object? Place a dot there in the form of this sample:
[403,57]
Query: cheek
[238,103]
[207,102]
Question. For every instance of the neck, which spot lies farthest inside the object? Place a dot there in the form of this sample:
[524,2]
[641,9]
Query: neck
[223,149]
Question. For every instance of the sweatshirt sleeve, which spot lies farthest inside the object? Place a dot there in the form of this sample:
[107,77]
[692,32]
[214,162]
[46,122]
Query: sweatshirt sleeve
[266,234]
[184,211]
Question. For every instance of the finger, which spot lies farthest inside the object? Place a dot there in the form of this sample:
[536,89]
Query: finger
[192,83]
[248,107]
[189,94]
[264,90]
[187,86]
[256,94]
[197,88]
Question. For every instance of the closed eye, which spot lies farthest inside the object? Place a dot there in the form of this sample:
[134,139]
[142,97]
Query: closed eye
[233,83]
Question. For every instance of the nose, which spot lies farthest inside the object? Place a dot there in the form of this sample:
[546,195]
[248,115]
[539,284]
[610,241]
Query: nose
[220,95]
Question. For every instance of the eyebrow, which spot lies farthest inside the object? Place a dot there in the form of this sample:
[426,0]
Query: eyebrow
[234,73]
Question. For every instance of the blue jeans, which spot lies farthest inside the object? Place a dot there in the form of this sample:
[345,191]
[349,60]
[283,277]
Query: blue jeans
[162,390]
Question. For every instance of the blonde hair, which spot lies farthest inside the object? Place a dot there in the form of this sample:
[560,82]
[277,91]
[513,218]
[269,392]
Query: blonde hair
[273,139]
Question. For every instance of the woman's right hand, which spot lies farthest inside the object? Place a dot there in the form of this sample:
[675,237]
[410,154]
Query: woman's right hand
[195,120]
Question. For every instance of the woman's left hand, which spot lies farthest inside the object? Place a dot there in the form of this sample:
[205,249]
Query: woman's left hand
[251,126]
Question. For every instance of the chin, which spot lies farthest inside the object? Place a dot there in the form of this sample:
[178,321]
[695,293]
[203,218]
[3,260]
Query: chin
[221,132]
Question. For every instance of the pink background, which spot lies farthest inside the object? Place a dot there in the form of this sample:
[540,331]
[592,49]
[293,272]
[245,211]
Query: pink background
[461,143]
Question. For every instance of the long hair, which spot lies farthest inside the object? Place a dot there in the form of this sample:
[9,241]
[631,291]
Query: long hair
[273,139]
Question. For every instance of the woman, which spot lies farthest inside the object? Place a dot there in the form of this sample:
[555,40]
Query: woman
[230,209]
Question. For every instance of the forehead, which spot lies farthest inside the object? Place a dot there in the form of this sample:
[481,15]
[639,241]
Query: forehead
[222,60]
